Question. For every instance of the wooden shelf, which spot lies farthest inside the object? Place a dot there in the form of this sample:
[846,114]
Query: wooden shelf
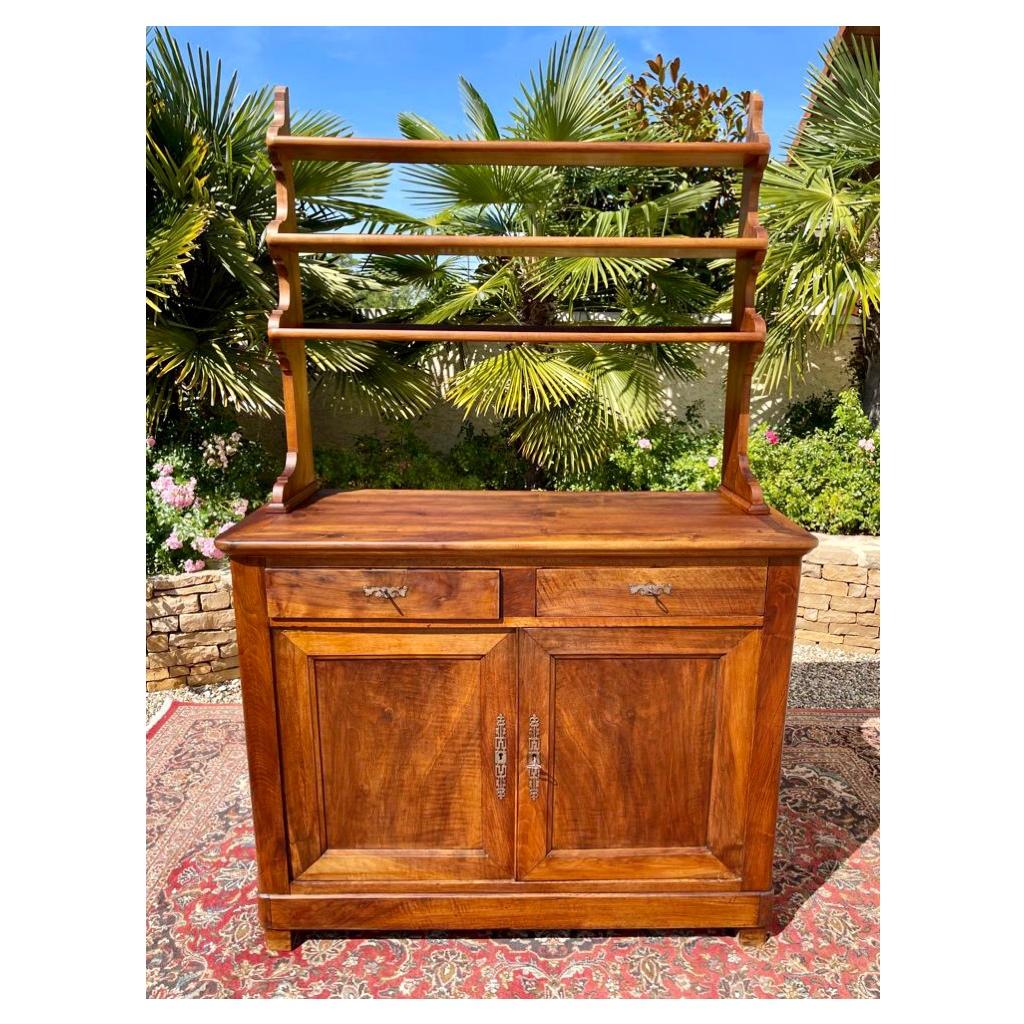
[506,527]
[669,247]
[288,331]
[510,152]
[713,334]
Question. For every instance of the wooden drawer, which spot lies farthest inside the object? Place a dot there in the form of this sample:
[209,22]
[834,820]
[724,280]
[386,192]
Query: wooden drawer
[682,590]
[363,593]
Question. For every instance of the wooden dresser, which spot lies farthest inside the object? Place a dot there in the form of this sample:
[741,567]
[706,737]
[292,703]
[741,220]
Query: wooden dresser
[524,710]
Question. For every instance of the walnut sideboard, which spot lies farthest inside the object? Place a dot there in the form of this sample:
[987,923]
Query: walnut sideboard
[524,710]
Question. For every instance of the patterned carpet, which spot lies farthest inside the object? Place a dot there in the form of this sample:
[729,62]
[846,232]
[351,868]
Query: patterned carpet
[204,939]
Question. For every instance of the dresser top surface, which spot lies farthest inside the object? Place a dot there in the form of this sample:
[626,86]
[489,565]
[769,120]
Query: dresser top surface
[422,522]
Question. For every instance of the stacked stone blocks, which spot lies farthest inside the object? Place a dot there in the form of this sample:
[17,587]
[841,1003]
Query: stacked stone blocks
[840,595]
[190,630]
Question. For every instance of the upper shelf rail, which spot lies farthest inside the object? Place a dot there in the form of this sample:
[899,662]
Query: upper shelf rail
[667,246]
[288,331]
[591,334]
[515,153]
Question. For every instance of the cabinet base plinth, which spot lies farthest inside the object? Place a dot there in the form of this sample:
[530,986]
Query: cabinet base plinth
[752,936]
[279,940]
[366,912]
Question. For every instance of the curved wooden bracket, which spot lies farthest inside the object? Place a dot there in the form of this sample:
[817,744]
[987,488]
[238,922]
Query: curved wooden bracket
[297,481]
[738,481]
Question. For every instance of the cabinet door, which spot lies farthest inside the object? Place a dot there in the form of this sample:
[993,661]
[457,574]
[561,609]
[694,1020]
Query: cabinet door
[395,749]
[634,748]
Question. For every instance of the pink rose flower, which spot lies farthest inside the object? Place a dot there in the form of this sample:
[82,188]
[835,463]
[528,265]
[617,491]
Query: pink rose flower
[150,442]
[191,566]
[207,546]
[173,542]
[866,444]
[771,437]
[240,507]
[713,461]
[644,443]
[175,495]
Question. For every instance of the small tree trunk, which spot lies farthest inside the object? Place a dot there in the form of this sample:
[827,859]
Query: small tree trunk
[865,364]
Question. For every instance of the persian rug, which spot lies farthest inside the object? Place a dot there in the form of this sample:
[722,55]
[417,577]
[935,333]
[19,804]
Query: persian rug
[204,939]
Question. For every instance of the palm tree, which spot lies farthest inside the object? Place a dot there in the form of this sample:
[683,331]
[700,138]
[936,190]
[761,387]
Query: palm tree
[565,405]
[822,212]
[209,196]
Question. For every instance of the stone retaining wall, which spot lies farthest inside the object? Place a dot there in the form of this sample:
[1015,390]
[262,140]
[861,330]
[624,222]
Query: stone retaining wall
[190,626]
[190,630]
[840,595]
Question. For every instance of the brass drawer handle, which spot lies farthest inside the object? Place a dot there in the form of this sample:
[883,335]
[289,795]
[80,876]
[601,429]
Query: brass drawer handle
[533,757]
[386,593]
[500,758]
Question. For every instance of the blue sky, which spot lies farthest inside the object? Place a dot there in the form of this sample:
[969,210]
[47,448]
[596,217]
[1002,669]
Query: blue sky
[368,75]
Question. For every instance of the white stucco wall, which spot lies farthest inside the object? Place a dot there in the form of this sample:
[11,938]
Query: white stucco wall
[440,426]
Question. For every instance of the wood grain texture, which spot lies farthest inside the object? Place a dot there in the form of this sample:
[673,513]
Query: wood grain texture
[632,745]
[298,479]
[515,527]
[514,152]
[694,591]
[738,480]
[341,594]
[259,708]
[769,721]
[661,246]
[279,940]
[637,734]
[389,743]
[558,334]
[401,752]
[518,592]
[602,910]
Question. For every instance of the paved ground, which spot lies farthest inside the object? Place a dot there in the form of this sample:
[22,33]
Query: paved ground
[822,677]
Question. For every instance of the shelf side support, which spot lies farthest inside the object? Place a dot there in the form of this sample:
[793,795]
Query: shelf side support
[297,481]
[738,481]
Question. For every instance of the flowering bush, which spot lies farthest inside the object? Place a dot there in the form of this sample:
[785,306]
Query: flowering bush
[200,480]
[826,480]
[824,477]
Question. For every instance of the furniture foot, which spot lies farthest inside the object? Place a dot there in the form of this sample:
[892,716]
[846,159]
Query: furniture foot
[279,941]
[752,936]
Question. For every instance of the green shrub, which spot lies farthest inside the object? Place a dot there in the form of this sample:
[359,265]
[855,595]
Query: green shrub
[478,460]
[825,479]
[201,476]
[828,481]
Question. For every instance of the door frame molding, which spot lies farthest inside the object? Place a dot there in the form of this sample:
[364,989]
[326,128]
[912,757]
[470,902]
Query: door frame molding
[737,651]
[310,859]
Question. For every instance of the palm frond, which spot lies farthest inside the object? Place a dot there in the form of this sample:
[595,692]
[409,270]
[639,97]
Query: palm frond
[168,249]
[576,95]
[207,369]
[518,381]
[842,128]
[364,377]
[478,113]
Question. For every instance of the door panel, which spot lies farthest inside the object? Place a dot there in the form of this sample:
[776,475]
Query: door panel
[397,728]
[388,743]
[640,740]
[633,760]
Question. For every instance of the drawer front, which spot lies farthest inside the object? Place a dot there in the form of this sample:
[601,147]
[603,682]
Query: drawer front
[383,593]
[681,590]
